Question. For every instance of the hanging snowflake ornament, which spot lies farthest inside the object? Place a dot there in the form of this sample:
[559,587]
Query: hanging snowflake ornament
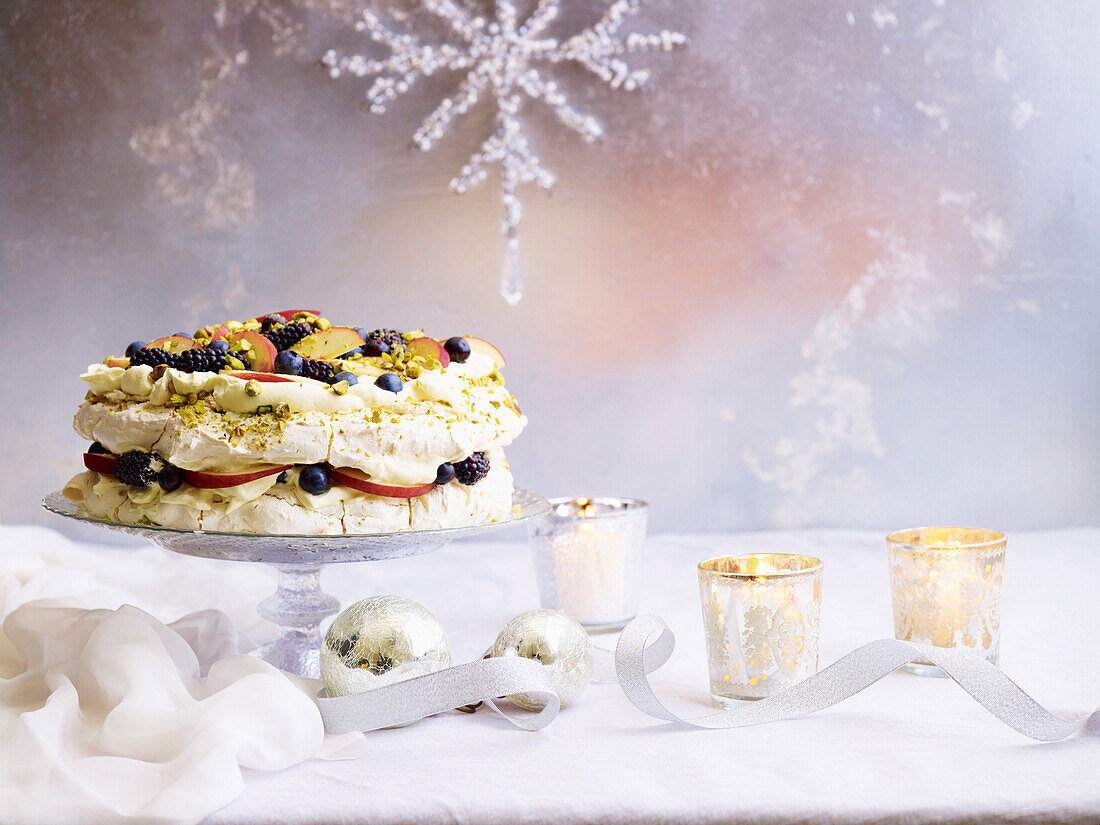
[501,58]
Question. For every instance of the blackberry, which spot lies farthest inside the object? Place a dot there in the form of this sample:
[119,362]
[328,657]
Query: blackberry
[318,370]
[472,470]
[390,337]
[286,336]
[138,469]
[98,449]
[199,360]
[151,356]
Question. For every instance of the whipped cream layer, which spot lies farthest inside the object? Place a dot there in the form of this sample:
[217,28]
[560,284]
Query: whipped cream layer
[267,506]
[400,438]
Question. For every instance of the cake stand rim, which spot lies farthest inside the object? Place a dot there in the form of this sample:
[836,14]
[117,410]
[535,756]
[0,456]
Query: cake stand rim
[327,548]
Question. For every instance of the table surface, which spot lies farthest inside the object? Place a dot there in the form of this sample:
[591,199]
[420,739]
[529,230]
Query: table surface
[908,749]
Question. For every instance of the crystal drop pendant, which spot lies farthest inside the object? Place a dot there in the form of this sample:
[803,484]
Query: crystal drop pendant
[511,280]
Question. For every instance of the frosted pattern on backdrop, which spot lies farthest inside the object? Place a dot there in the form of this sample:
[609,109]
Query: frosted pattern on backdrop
[836,266]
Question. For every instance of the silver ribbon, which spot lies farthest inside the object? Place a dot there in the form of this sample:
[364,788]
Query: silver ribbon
[645,645]
[647,639]
[453,687]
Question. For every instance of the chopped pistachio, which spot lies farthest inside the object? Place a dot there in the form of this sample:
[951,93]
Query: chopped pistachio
[322,323]
[252,387]
[340,387]
[235,325]
[263,409]
[233,362]
[413,370]
[176,398]
[201,334]
[282,410]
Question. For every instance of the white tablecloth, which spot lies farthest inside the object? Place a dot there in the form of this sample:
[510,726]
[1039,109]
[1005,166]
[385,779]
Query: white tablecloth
[908,749]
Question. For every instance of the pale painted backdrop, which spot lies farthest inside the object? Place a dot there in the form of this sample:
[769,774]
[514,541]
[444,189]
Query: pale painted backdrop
[837,267]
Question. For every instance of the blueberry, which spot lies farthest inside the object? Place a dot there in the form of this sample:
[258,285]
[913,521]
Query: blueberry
[445,474]
[281,478]
[314,479]
[221,345]
[289,362]
[373,348]
[344,375]
[388,381]
[457,348]
[133,347]
[362,332]
[98,448]
[351,353]
[170,478]
[270,321]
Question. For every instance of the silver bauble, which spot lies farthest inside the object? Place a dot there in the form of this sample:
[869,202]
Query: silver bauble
[555,640]
[379,641]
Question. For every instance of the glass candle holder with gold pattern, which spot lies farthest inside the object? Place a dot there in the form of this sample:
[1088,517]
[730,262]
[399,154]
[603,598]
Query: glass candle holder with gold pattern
[762,619]
[946,588]
[588,559]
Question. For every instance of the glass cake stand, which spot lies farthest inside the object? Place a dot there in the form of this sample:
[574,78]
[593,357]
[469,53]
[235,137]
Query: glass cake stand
[298,605]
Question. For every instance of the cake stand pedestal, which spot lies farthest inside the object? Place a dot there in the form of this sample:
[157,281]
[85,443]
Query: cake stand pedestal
[299,605]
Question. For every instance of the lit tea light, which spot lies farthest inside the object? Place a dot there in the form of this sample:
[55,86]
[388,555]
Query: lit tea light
[762,620]
[946,588]
[588,559]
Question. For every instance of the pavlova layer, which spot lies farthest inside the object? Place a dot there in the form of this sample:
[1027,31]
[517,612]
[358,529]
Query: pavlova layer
[209,421]
[278,504]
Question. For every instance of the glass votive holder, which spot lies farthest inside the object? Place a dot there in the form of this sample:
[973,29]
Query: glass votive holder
[946,588]
[588,559]
[762,620]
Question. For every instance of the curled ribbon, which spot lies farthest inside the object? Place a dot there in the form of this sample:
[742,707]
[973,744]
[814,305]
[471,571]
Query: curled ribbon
[645,645]
[647,639]
[453,687]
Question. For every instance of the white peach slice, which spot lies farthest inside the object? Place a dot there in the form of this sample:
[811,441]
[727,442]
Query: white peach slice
[261,356]
[289,314]
[173,343]
[265,377]
[216,481]
[485,348]
[429,348]
[100,463]
[358,480]
[329,343]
